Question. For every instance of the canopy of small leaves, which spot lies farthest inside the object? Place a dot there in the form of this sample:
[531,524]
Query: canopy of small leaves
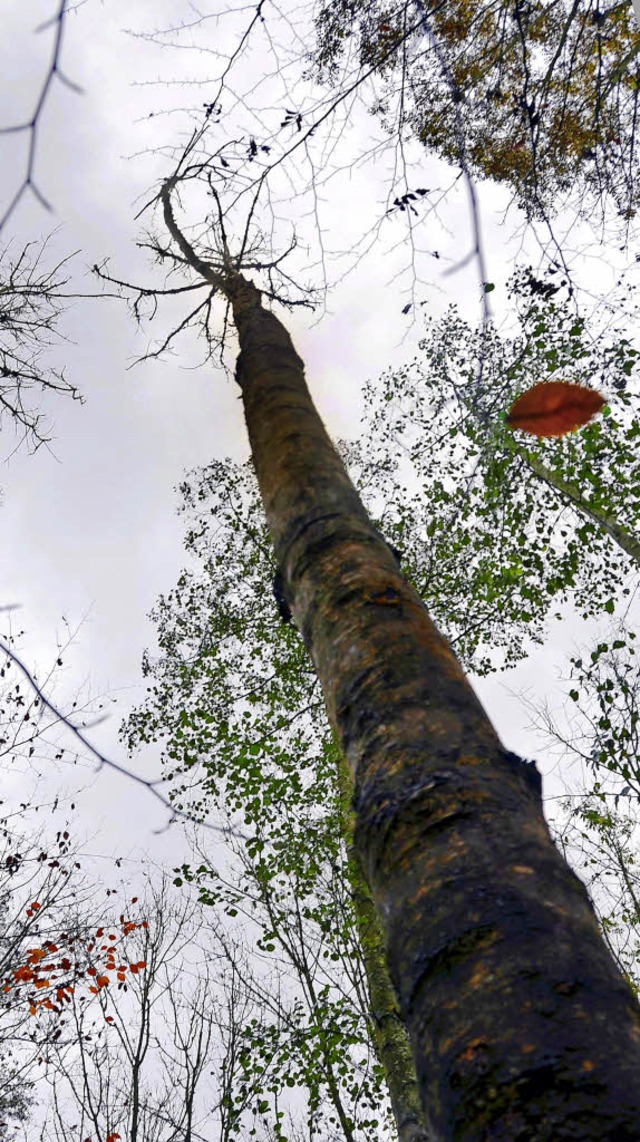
[599,730]
[539,95]
[603,843]
[493,548]
[235,702]
[606,728]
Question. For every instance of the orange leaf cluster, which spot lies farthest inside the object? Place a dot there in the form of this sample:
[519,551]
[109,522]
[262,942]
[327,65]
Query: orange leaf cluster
[41,973]
[553,408]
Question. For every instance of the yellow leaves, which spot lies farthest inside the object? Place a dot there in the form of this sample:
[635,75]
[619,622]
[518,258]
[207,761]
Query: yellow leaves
[454,19]
[540,27]
[579,103]
[505,161]
[569,135]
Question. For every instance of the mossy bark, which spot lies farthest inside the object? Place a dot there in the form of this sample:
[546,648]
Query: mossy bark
[387,1029]
[522,1028]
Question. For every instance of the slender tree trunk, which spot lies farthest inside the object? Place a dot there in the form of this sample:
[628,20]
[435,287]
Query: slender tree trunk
[618,533]
[522,1027]
[388,1032]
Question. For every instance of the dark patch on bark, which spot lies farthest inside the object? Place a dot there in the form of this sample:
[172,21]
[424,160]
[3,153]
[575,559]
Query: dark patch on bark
[527,769]
[238,372]
[397,554]
[284,610]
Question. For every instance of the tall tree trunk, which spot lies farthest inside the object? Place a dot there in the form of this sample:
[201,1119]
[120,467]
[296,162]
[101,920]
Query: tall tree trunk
[522,1027]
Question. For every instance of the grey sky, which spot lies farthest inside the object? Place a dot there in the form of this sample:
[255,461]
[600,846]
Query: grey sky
[90,535]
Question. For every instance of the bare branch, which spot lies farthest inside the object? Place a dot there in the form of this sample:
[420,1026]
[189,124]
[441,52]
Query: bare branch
[31,126]
[31,302]
[104,761]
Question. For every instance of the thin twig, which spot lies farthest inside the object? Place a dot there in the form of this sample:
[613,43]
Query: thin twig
[32,124]
[103,760]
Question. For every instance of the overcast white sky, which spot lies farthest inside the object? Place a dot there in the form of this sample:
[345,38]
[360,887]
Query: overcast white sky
[89,531]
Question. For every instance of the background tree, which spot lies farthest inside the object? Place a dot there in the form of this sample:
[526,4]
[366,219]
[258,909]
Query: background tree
[49,906]
[596,732]
[113,1073]
[32,298]
[236,706]
[541,97]
[41,890]
[203,1042]
[601,834]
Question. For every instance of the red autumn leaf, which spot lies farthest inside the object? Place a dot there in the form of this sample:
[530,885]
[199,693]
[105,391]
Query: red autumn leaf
[553,408]
[102,980]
